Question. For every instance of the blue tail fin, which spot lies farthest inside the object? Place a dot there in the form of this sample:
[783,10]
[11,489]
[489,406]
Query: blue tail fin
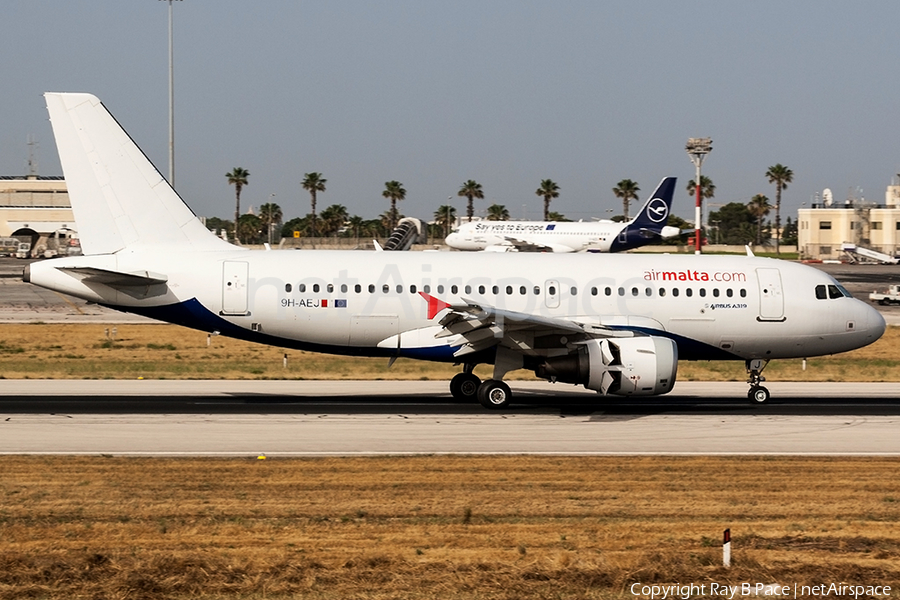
[647,226]
[655,212]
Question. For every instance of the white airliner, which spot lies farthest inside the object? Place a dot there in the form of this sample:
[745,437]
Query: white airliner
[648,227]
[617,324]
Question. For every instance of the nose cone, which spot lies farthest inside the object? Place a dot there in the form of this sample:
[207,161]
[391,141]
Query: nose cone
[875,324]
[452,240]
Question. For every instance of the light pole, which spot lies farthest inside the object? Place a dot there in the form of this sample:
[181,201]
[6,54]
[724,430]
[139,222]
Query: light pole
[271,214]
[697,149]
[171,102]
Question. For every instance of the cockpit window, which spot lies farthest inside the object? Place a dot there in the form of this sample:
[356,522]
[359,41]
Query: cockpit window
[831,291]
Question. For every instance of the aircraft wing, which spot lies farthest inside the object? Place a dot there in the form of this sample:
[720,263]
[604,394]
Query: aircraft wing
[513,244]
[475,326]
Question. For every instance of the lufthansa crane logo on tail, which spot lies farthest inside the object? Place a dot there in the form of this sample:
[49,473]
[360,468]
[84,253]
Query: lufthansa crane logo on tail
[657,210]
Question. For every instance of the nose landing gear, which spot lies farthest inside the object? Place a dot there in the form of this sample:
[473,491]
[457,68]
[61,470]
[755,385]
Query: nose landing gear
[758,394]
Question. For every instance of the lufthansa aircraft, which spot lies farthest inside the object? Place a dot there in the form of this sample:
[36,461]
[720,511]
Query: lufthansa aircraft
[617,324]
[648,227]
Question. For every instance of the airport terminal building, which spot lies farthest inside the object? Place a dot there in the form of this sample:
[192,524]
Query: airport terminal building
[826,227]
[36,209]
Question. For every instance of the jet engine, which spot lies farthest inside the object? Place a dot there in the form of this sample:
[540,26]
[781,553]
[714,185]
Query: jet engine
[639,366]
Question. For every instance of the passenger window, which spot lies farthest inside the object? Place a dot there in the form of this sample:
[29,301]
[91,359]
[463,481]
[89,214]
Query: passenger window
[675,292]
[301,287]
[287,287]
[703,292]
[495,290]
[426,289]
[468,289]
[357,288]
[689,292]
[621,291]
[412,289]
[330,288]
[440,289]
[315,287]
[509,290]
[385,288]
[574,291]
[608,291]
[729,292]
[649,292]
[662,292]
[481,289]
[371,288]
[453,289]
[634,291]
[537,290]
[343,288]
[522,290]
[399,289]
[552,290]
[716,292]
[743,293]
[593,291]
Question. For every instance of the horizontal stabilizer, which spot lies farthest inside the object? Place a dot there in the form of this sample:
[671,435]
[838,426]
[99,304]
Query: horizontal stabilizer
[115,279]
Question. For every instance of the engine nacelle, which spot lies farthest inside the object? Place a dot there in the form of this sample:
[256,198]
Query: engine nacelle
[638,366]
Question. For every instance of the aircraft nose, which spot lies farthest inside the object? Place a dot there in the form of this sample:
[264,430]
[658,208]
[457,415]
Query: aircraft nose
[875,323]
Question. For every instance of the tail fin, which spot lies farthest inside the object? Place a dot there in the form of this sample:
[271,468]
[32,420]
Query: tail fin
[119,198]
[655,212]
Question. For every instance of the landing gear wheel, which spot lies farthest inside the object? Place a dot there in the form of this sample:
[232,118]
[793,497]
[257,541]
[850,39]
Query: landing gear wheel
[464,387]
[759,395]
[494,394]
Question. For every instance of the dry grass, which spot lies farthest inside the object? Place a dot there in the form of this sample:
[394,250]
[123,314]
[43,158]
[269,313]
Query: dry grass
[438,526]
[66,351]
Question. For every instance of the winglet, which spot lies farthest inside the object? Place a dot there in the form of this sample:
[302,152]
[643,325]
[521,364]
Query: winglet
[435,305]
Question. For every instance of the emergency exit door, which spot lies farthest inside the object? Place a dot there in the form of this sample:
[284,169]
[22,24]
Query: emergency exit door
[234,287]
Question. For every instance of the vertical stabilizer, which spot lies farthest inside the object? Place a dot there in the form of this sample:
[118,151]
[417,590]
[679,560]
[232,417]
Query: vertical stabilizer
[119,198]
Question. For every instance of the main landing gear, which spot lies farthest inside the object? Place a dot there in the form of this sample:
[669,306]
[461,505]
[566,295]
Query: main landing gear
[466,387]
[758,394]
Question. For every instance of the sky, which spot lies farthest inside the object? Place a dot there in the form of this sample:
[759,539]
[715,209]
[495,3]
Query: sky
[504,92]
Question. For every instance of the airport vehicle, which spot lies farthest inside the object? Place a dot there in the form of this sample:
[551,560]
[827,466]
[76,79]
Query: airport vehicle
[8,246]
[23,250]
[617,324]
[892,296]
[648,227]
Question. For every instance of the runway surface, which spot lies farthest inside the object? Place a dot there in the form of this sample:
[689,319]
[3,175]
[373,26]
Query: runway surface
[287,418]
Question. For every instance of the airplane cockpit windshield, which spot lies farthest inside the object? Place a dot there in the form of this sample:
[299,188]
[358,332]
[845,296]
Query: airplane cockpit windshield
[831,291]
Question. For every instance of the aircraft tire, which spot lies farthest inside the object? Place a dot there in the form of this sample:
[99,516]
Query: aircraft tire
[464,387]
[759,395]
[494,394]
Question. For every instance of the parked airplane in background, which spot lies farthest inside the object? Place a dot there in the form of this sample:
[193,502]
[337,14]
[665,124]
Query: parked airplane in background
[648,227]
[615,324]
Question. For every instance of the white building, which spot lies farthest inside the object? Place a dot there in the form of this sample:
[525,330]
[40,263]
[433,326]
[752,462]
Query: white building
[822,229]
[35,209]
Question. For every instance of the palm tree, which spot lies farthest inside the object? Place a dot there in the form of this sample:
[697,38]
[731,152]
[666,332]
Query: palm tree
[759,208]
[471,189]
[333,218]
[497,212]
[393,191]
[270,213]
[780,176]
[357,225]
[445,216]
[549,190]
[238,178]
[313,182]
[626,190]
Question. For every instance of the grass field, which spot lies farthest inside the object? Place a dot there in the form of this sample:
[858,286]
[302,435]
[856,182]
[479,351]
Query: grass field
[438,526]
[66,351]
